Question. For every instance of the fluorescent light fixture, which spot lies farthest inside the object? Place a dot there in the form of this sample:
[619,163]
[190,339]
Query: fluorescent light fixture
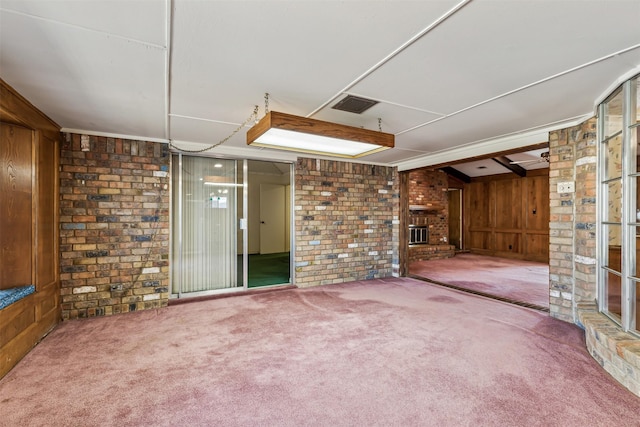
[220,184]
[294,133]
[220,181]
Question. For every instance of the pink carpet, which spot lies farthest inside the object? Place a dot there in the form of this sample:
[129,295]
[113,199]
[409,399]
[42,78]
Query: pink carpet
[511,279]
[384,352]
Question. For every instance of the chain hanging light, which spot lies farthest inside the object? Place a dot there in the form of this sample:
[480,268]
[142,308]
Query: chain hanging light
[301,134]
[252,118]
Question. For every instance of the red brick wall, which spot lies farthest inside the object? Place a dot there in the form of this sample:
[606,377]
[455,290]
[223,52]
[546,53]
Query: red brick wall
[426,187]
[114,226]
[346,222]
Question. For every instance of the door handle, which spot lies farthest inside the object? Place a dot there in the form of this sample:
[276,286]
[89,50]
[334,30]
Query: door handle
[261,222]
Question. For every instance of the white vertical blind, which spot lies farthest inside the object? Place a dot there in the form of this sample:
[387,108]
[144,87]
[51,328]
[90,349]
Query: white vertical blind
[204,232]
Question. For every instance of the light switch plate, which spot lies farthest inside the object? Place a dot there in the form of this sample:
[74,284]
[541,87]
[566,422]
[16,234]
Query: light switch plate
[567,187]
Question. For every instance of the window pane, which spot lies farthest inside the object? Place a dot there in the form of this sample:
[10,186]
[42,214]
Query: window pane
[613,115]
[636,181]
[635,263]
[207,255]
[614,202]
[637,132]
[637,106]
[613,164]
[613,247]
[637,306]
[614,295]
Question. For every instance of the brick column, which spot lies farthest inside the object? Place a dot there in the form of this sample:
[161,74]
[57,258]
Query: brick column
[114,226]
[572,240]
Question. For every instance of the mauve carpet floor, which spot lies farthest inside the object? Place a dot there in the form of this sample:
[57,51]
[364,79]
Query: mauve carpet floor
[388,352]
[516,280]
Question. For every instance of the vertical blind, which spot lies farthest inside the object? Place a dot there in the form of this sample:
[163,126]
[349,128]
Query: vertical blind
[204,225]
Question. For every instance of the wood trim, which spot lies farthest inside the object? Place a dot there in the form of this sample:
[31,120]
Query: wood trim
[530,173]
[274,119]
[403,244]
[514,231]
[455,173]
[26,324]
[532,147]
[504,162]
[14,108]
[510,255]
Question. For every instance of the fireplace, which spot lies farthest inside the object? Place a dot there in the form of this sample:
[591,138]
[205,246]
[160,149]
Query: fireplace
[418,234]
[428,217]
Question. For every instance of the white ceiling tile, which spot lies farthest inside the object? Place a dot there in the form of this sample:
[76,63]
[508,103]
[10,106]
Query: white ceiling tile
[393,156]
[394,118]
[493,47]
[537,106]
[121,90]
[226,55]
[207,132]
[481,168]
[137,20]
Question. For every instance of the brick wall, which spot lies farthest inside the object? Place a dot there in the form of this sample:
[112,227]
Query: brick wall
[572,239]
[430,187]
[114,226]
[346,222]
[572,254]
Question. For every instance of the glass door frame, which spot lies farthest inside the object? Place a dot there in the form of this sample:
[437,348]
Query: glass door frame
[242,225]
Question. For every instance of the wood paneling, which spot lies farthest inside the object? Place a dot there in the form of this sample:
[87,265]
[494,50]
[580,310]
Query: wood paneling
[507,242]
[16,207]
[47,203]
[28,224]
[479,240]
[537,203]
[537,245]
[479,204]
[508,199]
[506,215]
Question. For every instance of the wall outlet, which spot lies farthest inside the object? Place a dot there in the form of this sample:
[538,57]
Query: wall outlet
[567,187]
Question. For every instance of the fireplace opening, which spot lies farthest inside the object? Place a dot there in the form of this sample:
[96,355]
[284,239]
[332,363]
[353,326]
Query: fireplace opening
[418,234]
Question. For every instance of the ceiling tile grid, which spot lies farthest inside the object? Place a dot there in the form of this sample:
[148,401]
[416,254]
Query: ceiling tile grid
[447,74]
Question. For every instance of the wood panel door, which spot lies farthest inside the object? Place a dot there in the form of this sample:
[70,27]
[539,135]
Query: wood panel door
[16,208]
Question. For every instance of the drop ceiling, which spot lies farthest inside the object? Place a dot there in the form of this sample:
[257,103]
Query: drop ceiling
[452,79]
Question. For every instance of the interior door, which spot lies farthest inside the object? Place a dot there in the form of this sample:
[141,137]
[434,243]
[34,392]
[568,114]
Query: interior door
[272,218]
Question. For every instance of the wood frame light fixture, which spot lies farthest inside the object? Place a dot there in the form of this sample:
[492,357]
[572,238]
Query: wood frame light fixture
[293,133]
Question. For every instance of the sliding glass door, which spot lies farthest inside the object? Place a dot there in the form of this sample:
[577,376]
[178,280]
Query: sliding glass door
[206,232]
[231,225]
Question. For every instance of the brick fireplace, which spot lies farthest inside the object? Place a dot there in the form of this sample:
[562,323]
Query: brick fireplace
[428,216]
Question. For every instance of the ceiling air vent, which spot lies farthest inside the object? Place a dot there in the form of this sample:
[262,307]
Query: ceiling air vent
[354,104]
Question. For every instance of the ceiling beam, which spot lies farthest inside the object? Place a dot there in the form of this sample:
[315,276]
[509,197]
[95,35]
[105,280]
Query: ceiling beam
[517,169]
[456,174]
[531,147]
